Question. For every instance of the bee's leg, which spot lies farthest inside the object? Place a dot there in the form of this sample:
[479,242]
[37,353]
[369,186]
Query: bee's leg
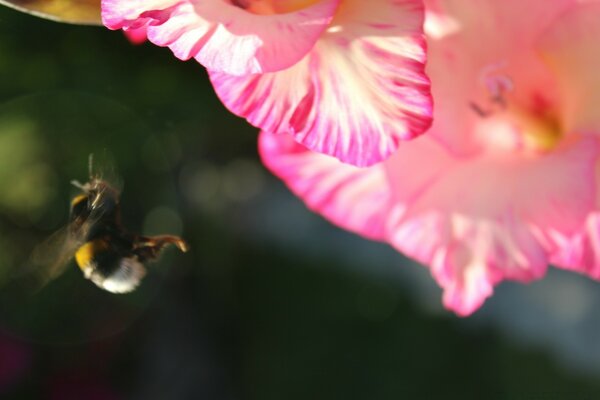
[149,247]
[164,240]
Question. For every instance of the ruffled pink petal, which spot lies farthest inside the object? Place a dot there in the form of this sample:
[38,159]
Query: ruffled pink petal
[580,253]
[474,221]
[469,256]
[357,199]
[356,95]
[571,49]
[467,292]
[479,221]
[221,36]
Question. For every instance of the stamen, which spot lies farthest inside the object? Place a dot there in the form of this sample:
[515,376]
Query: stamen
[479,111]
[497,86]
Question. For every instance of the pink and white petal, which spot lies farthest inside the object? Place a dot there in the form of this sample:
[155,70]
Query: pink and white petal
[466,294]
[222,36]
[468,256]
[357,199]
[490,252]
[117,14]
[570,48]
[360,92]
[581,253]
[477,221]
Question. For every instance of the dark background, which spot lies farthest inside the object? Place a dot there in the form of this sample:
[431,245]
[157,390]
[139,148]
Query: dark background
[271,302]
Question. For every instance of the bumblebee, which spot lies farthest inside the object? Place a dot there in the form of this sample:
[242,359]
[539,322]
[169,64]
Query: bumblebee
[108,254]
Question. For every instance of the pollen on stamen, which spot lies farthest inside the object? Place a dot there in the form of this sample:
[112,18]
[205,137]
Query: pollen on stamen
[541,133]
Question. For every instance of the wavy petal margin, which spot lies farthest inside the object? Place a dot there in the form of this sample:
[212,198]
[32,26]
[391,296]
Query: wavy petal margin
[356,199]
[580,253]
[474,222]
[222,36]
[360,92]
[483,220]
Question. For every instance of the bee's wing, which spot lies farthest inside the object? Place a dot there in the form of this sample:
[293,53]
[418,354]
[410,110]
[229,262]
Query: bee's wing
[50,258]
[102,167]
[85,12]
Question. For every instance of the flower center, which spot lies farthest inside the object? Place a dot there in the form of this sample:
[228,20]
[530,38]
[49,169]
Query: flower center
[507,125]
[268,7]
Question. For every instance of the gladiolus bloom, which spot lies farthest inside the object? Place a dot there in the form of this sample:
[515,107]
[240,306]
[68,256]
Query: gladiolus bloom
[343,77]
[505,181]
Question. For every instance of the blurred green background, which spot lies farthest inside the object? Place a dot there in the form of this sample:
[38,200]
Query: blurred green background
[271,303]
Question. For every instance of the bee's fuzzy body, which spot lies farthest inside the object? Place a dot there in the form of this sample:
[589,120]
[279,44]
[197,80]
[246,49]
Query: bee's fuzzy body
[109,255]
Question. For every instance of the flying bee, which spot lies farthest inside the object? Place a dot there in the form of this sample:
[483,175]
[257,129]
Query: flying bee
[108,254]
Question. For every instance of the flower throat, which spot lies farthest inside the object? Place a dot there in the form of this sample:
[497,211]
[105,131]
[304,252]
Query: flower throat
[534,129]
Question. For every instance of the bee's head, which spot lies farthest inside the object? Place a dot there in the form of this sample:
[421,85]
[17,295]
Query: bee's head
[80,210]
[98,198]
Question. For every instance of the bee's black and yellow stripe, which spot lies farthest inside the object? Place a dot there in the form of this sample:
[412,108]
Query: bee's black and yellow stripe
[87,254]
[108,267]
[78,200]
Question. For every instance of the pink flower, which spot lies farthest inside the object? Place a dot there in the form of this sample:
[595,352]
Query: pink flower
[505,180]
[343,77]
